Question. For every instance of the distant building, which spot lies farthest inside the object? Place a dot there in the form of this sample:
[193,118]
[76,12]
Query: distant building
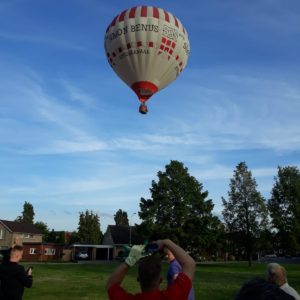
[114,240]
[10,230]
[85,252]
[119,236]
[42,252]
[31,238]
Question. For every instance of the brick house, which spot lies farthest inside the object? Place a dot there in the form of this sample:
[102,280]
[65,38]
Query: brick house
[25,233]
[119,236]
[42,252]
[31,239]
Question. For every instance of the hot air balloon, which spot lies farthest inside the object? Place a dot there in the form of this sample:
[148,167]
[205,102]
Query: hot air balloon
[148,48]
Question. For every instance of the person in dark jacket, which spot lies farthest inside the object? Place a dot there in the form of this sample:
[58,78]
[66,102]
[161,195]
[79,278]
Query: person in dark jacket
[260,289]
[13,277]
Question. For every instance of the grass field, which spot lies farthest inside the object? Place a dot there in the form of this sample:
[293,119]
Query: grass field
[86,281]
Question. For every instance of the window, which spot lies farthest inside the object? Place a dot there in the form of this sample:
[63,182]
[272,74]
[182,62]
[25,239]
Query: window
[27,236]
[32,251]
[49,251]
[2,234]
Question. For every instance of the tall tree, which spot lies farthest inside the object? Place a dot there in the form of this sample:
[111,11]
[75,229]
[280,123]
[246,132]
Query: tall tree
[179,210]
[245,212]
[44,228]
[121,218]
[89,228]
[56,237]
[27,214]
[284,207]
[73,238]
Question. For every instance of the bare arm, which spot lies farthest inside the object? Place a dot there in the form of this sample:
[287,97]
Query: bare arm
[134,255]
[186,261]
[118,275]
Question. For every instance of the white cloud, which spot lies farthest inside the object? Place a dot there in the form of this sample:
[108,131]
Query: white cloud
[16,190]
[79,95]
[245,112]
[134,144]
[67,147]
[219,120]
[60,128]
[264,172]
[36,39]
[214,172]
[217,171]
[113,178]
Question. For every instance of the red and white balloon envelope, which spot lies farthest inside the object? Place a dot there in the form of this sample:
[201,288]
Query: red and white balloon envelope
[148,48]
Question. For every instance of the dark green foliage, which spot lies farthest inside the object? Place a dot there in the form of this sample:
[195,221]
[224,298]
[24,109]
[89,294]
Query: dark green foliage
[44,228]
[56,237]
[27,214]
[89,228]
[245,212]
[284,206]
[121,218]
[179,210]
[73,238]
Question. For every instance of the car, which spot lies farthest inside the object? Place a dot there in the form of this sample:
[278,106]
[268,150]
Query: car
[270,256]
[82,255]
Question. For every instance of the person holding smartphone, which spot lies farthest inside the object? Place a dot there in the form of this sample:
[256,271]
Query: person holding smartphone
[149,275]
[13,276]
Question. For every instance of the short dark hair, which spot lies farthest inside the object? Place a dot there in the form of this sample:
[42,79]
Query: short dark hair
[149,271]
[260,289]
[16,248]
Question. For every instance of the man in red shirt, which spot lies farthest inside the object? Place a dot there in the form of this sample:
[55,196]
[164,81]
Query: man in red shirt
[149,275]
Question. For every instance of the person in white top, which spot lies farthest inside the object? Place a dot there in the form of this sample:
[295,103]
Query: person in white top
[276,274]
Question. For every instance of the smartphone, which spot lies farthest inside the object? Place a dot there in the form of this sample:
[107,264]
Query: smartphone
[152,248]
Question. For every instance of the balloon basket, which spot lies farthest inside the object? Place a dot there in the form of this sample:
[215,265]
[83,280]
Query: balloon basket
[143,109]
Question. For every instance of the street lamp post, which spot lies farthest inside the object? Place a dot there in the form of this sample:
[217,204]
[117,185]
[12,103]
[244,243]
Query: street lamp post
[130,228]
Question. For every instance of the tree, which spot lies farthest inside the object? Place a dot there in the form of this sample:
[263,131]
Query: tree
[121,218]
[284,207]
[27,214]
[179,210]
[245,212]
[89,228]
[57,237]
[73,238]
[19,219]
[44,228]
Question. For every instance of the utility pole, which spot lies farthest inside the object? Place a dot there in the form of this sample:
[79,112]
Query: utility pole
[130,228]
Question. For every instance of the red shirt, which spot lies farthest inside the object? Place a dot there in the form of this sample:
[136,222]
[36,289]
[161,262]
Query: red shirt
[179,290]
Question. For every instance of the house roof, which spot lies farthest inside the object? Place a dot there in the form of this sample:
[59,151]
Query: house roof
[121,235]
[41,244]
[20,227]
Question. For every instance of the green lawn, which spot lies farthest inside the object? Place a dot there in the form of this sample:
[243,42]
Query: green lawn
[86,281]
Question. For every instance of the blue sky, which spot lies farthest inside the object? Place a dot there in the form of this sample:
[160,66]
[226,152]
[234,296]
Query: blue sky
[71,137]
